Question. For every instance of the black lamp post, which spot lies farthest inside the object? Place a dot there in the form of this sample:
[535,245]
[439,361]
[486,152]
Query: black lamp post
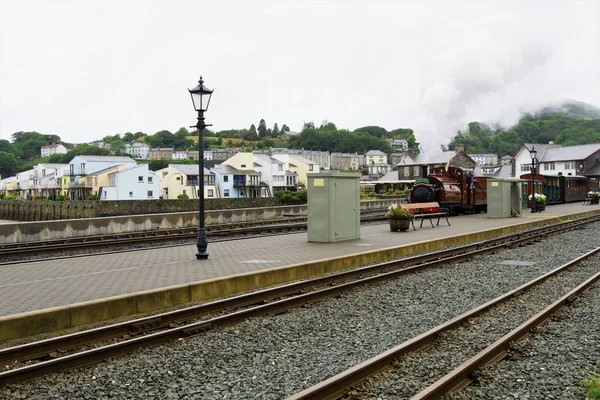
[200,98]
[533,154]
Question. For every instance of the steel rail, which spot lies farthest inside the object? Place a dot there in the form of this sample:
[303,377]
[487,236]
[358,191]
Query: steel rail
[278,306]
[337,385]
[461,376]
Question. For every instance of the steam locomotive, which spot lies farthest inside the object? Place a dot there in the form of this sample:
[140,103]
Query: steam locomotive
[453,188]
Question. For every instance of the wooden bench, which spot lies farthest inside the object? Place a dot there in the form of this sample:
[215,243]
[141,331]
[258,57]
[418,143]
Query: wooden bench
[427,211]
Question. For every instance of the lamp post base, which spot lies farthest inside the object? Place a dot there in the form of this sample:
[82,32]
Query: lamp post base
[201,244]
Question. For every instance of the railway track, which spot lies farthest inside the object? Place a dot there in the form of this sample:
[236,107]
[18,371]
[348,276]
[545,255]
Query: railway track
[157,236]
[83,348]
[363,380]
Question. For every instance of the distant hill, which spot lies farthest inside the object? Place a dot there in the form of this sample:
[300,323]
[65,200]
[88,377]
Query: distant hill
[574,109]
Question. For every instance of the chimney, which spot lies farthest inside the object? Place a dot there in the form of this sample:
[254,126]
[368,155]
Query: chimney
[460,147]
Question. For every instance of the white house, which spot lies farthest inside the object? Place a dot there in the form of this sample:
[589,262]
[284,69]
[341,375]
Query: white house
[138,150]
[134,183]
[45,178]
[51,149]
[553,159]
[81,166]
[25,183]
[298,166]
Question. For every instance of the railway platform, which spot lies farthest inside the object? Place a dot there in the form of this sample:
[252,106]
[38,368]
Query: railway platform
[45,296]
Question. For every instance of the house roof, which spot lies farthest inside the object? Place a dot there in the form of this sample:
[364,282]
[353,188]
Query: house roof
[102,171]
[189,169]
[122,159]
[226,169]
[569,153]
[375,153]
[302,159]
[266,158]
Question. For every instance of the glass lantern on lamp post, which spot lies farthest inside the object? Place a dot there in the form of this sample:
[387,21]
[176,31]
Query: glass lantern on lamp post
[533,155]
[201,98]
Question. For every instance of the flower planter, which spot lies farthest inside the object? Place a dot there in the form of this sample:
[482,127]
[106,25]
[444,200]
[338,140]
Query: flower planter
[539,207]
[399,224]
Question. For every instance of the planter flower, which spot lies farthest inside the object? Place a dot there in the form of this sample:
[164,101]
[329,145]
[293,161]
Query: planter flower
[396,211]
[594,197]
[399,218]
[540,201]
[539,198]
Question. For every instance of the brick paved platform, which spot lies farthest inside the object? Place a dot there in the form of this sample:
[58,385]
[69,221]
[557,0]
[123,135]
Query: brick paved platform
[171,275]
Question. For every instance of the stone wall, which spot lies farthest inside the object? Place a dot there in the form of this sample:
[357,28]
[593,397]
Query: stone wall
[23,210]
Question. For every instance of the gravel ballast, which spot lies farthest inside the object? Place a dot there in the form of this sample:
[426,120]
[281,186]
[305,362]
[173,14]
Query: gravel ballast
[273,357]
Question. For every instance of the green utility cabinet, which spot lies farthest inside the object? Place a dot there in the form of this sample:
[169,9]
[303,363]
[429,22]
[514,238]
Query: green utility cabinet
[333,207]
[504,198]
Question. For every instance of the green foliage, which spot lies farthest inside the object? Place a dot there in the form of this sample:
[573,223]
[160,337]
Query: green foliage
[178,141]
[93,197]
[396,211]
[593,388]
[8,164]
[155,165]
[559,128]
[9,197]
[27,145]
[338,141]
[262,129]
[183,196]
[289,197]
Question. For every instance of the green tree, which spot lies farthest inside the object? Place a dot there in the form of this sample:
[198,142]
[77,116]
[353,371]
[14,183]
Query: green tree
[28,144]
[155,165]
[8,164]
[308,125]
[262,129]
[284,128]
[327,126]
[5,146]
[275,131]
[117,147]
[376,131]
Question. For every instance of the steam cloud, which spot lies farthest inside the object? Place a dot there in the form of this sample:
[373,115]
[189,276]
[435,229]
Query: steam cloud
[482,79]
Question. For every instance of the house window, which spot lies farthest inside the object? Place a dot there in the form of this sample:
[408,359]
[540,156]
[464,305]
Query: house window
[525,167]
[150,193]
[310,167]
[140,179]
[551,166]
[210,193]
[280,167]
[184,191]
[149,179]
[226,193]
[226,178]
[130,194]
[243,165]
[105,195]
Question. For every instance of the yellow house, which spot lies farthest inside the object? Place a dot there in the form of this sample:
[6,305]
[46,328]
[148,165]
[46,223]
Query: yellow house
[375,157]
[299,165]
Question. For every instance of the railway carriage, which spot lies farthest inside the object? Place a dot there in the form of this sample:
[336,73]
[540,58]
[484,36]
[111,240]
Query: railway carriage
[557,188]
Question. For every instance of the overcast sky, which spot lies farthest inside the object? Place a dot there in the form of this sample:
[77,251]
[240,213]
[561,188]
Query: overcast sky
[87,69]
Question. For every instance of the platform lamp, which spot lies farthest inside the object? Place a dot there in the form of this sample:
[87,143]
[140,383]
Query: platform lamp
[201,98]
[533,155]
